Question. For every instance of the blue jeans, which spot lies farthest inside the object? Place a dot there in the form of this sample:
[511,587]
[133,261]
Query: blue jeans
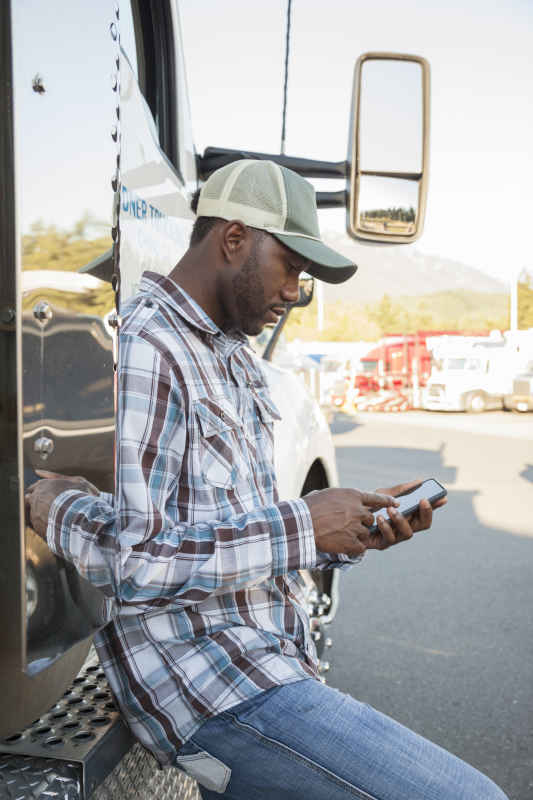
[307,740]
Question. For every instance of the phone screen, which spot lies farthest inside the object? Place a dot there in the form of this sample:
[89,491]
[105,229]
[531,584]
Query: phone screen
[430,490]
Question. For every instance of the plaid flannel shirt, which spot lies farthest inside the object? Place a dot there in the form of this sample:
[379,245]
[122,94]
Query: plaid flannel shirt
[196,554]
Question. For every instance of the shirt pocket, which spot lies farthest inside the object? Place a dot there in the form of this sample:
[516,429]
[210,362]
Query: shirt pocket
[220,442]
[266,410]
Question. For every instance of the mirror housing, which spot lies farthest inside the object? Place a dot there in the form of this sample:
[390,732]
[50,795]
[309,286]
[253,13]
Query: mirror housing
[388,148]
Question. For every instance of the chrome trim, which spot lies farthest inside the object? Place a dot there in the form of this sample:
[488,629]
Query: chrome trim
[25,695]
[334,597]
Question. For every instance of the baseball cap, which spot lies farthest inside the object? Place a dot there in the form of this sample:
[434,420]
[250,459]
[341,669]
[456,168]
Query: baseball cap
[265,195]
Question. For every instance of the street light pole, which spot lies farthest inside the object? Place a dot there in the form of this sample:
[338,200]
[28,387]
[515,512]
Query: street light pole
[286,77]
[320,304]
[515,282]
[514,302]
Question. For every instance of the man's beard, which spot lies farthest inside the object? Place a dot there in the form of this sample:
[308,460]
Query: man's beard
[249,294]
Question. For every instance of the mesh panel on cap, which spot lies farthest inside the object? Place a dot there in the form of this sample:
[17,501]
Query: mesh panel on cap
[258,186]
[214,187]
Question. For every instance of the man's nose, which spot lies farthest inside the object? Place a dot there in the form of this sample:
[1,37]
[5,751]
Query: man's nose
[291,291]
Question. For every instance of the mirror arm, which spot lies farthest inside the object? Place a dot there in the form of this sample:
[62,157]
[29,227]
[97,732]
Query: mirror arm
[332,199]
[276,333]
[406,176]
[216,157]
[101,267]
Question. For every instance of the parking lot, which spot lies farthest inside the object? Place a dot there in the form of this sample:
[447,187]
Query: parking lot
[437,632]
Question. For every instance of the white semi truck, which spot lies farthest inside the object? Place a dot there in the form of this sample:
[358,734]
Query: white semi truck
[72,147]
[474,376]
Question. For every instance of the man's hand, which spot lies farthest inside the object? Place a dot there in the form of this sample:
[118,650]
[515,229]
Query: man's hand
[39,497]
[401,528]
[341,518]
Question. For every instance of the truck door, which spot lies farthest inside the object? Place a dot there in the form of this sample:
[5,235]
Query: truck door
[157,160]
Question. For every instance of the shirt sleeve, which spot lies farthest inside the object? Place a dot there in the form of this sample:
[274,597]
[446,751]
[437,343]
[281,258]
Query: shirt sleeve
[130,547]
[336,560]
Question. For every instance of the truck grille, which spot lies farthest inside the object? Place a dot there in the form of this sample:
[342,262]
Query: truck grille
[436,389]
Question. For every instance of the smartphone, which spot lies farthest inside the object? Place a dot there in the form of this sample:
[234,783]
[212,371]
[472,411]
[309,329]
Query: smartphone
[430,490]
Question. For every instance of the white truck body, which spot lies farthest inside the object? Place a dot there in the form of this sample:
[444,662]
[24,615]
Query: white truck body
[471,378]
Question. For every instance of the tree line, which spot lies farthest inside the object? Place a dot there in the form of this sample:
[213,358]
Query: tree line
[46,247]
[396,213]
[455,310]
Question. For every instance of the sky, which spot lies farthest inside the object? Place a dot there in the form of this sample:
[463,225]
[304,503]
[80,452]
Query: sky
[481,161]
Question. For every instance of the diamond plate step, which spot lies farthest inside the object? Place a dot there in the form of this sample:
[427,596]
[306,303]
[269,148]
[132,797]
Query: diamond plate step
[81,748]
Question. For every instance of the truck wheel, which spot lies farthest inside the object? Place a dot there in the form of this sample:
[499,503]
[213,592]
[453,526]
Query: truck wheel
[476,402]
[44,598]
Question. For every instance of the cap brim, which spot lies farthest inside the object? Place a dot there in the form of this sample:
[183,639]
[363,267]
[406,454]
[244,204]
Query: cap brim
[328,265]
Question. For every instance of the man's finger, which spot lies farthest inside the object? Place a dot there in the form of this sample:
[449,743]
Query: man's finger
[363,534]
[367,518]
[440,503]
[375,500]
[401,488]
[387,534]
[400,525]
[424,517]
[44,473]
[32,487]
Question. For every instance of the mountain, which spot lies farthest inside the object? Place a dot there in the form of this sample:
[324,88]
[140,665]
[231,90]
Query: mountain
[400,270]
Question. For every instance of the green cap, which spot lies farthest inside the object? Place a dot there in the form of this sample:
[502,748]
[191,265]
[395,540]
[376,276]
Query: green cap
[264,195]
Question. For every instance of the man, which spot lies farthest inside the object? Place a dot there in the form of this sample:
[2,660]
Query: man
[209,653]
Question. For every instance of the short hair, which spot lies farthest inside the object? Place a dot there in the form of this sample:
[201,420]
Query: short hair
[202,225]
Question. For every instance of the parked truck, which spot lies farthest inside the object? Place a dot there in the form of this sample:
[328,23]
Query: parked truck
[392,373]
[472,377]
[520,398]
[72,147]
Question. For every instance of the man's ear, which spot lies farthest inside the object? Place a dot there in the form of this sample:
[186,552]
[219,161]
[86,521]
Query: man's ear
[234,240]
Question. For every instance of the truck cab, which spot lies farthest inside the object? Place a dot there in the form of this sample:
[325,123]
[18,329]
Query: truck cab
[521,396]
[472,379]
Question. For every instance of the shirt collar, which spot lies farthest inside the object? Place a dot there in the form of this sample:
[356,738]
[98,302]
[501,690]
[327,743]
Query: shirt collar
[164,288]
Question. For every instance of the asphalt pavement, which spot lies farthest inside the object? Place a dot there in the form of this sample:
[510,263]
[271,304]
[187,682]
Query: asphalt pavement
[437,632]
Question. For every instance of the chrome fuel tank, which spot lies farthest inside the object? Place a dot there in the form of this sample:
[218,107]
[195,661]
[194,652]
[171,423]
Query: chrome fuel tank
[57,161]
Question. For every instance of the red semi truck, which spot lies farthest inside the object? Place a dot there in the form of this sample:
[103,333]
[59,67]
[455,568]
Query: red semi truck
[392,372]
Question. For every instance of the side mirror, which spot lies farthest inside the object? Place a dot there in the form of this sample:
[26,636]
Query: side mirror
[388,148]
[307,287]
